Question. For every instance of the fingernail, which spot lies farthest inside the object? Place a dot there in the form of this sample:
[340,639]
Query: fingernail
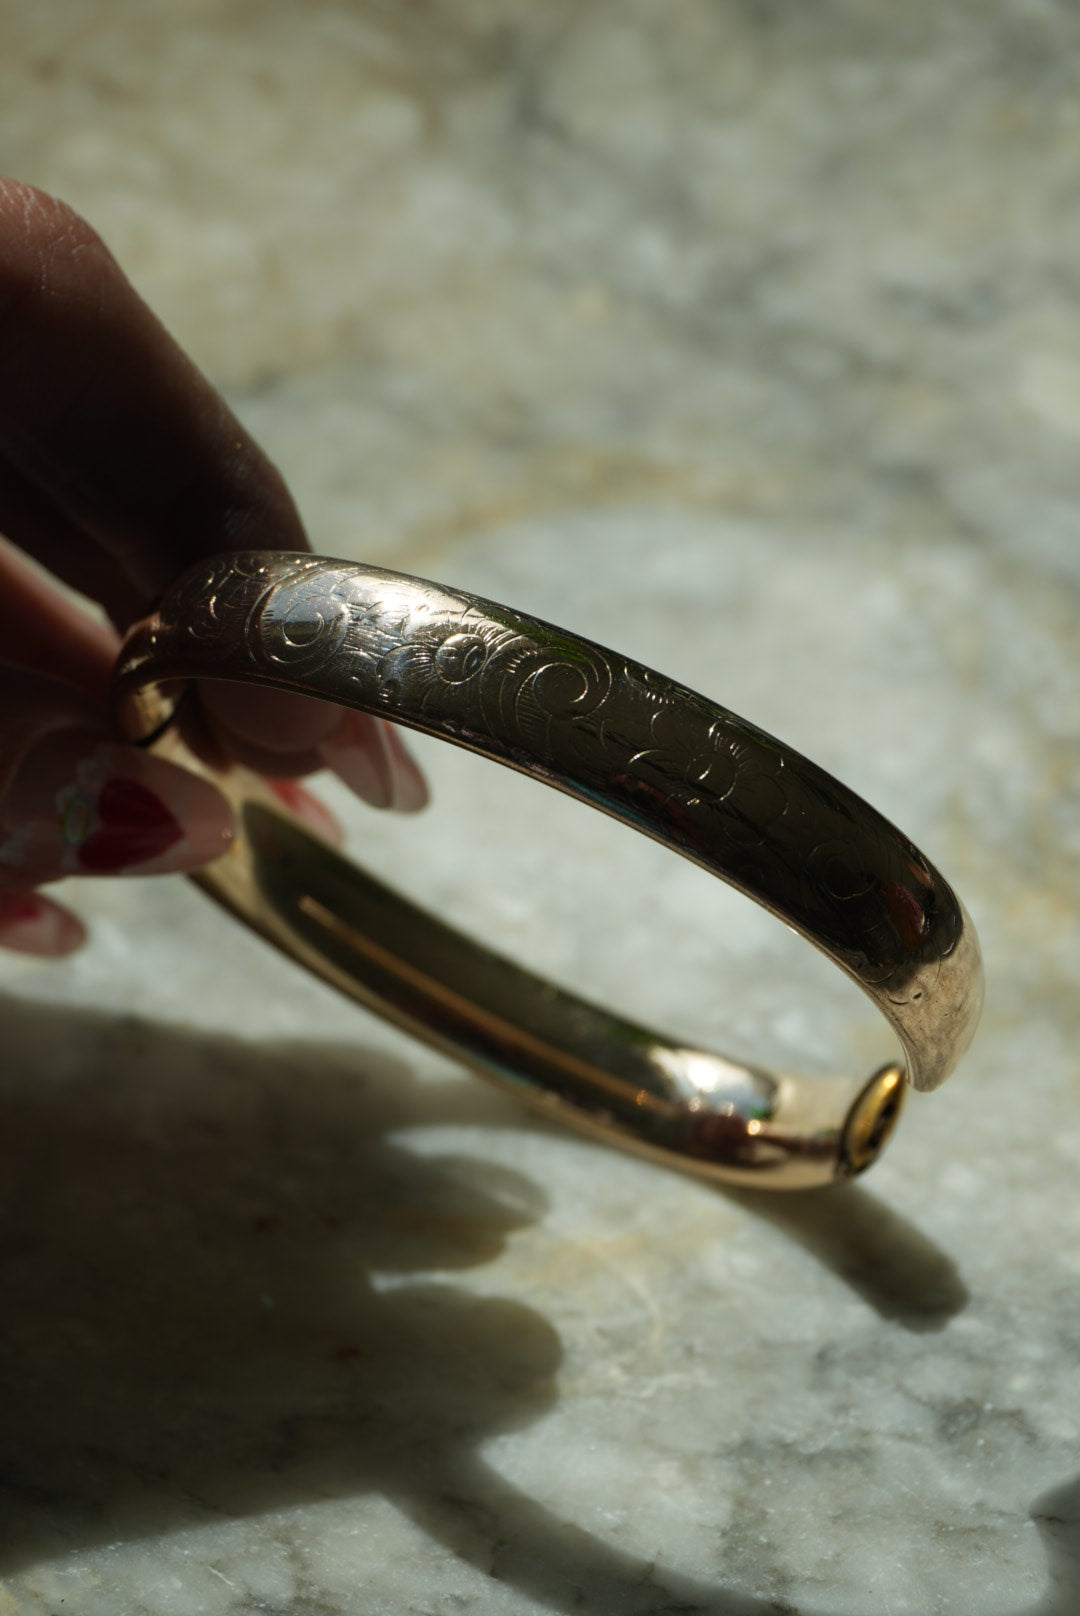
[356,756]
[410,788]
[373,761]
[30,924]
[307,808]
[81,804]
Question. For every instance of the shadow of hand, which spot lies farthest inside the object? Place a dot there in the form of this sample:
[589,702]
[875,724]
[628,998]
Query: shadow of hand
[190,1230]
[194,1234]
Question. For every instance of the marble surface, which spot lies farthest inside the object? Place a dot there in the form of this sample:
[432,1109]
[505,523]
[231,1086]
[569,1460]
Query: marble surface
[744,337]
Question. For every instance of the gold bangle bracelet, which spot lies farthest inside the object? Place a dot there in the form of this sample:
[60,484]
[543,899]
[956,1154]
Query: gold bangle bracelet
[615,735]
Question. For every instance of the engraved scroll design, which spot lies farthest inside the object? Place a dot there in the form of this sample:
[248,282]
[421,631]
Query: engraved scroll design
[299,625]
[724,792]
[482,677]
[241,609]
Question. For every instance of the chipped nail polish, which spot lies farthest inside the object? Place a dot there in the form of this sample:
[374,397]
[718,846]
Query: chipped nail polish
[81,804]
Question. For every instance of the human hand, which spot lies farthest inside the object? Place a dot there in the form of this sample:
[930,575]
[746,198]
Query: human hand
[119,467]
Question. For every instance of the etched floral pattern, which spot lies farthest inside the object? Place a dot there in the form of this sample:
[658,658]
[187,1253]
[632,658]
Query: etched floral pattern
[617,734]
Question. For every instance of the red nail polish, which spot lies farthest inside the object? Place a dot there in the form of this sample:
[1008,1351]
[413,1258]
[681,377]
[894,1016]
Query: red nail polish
[293,796]
[309,809]
[83,805]
[18,908]
[31,924]
[133,826]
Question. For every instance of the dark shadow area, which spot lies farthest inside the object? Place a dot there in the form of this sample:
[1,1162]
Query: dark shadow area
[886,1260]
[193,1236]
[191,1227]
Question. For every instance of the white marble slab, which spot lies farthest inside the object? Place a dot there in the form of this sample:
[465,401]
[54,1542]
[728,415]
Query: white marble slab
[742,338]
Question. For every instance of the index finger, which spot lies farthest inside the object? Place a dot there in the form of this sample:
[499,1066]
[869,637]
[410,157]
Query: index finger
[120,466]
[106,420]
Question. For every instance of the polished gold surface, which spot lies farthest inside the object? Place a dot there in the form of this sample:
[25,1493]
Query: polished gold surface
[616,735]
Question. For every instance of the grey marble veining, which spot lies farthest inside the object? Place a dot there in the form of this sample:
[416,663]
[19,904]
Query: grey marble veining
[742,337]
